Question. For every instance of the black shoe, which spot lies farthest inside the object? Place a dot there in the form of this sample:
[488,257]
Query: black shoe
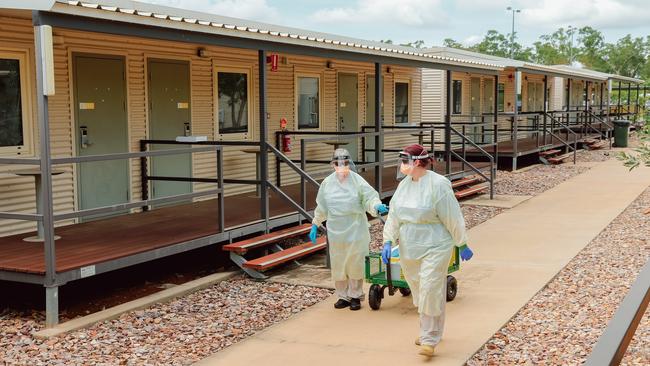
[355,304]
[342,304]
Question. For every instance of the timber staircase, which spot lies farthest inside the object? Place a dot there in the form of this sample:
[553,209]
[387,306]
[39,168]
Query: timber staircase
[595,144]
[468,186]
[553,156]
[275,254]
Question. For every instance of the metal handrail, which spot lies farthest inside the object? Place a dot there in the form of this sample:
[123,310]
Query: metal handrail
[612,344]
[476,170]
[566,143]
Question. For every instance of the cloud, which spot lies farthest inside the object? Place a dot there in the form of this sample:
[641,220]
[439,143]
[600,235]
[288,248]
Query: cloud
[472,40]
[412,13]
[258,10]
[596,13]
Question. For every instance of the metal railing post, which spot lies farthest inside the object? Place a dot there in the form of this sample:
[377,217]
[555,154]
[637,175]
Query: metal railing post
[221,196]
[303,166]
[144,175]
[448,110]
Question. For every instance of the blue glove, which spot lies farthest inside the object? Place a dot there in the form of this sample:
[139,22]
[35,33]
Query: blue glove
[385,253]
[381,208]
[313,233]
[466,253]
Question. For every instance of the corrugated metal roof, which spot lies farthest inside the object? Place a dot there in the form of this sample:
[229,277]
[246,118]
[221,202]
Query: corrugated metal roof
[564,71]
[601,74]
[137,12]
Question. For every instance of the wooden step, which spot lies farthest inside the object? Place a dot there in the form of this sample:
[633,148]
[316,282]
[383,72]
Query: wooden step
[241,247]
[287,255]
[598,145]
[549,152]
[470,191]
[464,182]
[559,159]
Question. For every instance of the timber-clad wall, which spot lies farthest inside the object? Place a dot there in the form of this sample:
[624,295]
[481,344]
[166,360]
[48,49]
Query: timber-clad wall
[434,97]
[17,193]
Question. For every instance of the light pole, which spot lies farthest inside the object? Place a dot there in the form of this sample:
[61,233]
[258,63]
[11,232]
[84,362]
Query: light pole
[512,35]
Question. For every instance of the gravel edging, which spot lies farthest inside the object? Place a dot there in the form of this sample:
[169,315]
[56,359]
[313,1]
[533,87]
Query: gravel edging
[563,321]
[178,332]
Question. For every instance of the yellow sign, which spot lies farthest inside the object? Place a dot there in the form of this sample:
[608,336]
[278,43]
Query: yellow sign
[88,105]
[182,105]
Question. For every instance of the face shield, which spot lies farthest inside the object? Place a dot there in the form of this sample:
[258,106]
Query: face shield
[342,163]
[407,162]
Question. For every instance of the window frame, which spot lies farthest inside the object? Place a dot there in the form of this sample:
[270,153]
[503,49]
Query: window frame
[408,97]
[296,84]
[453,98]
[248,135]
[26,106]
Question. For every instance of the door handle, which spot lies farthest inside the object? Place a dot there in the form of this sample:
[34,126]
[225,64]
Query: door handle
[186,129]
[84,138]
[341,126]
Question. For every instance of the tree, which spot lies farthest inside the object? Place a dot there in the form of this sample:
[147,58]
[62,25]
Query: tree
[628,57]
[451,43]
[416,44]
[590,53]
[497,44]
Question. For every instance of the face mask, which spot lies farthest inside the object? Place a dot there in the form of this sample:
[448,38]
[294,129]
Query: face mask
[406,169]
[342,171]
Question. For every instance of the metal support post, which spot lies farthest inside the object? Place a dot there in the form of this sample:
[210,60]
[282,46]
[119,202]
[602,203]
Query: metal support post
[379,140]
[496,125]
[448,109]
[264,158]
[515,121]
[545,108]
[43,48]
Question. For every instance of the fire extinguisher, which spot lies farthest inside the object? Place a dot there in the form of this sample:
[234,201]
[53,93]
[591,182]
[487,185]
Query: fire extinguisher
[286,139]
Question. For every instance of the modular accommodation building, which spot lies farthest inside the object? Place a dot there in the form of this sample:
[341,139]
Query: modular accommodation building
[528,101]
[136,131]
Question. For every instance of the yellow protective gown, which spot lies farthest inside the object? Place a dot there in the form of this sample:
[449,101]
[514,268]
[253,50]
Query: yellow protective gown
[344,206]
[426,220]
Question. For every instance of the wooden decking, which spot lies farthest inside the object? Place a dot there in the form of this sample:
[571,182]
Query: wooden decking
[531,145]
[108,239]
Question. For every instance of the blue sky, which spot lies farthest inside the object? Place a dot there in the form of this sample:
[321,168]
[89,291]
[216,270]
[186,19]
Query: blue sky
[434,20]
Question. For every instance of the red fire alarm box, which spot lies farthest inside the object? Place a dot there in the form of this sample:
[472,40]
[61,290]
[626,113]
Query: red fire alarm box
[274,61]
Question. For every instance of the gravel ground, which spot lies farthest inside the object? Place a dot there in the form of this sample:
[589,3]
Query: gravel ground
[560,324]
[474,215]
[179,332]
[587,156]
[535,180]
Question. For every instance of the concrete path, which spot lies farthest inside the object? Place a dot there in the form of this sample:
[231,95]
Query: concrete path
[516,254]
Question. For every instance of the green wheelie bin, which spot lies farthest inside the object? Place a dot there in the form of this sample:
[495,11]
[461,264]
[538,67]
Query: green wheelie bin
[621,132]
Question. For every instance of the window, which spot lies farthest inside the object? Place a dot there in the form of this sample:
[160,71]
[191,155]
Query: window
[15,117]
[232,93]
[401,102]
[501,97]
[308,102]
[457,96]
[370,102]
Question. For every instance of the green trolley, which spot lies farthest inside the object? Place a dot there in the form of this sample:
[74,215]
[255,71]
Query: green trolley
[379,276]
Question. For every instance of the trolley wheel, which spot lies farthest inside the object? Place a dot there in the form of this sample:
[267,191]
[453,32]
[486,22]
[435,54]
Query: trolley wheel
[405,291]
[452,288]
[374,296]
